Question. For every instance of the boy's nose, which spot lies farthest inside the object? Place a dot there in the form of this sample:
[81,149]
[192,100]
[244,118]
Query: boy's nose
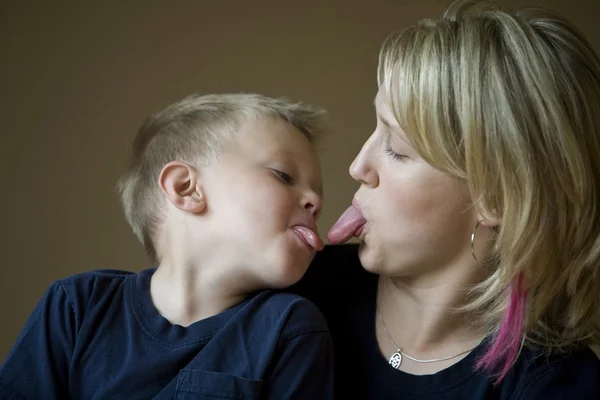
[313,204]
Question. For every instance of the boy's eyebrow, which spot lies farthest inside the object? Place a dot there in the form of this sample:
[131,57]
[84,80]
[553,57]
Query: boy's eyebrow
[316,186]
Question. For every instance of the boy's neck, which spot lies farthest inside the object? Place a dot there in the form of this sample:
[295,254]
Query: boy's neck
[186,294]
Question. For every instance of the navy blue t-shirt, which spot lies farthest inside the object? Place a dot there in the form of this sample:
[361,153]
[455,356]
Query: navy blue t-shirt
[97,335]
[346,294]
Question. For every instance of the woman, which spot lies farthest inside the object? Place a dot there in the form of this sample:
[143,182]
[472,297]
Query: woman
[478,215]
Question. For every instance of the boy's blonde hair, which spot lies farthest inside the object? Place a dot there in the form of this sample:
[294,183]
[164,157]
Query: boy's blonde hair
[193,130]
[510,102]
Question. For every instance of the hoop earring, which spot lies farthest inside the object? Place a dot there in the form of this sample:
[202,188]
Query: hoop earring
[473,245]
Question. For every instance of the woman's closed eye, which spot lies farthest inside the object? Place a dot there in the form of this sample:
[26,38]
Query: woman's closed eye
[394,155]
[286,178]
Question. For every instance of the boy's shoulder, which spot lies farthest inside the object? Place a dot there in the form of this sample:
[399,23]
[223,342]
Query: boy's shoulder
[106,274]
[300,314]
[88,287]
[95,277]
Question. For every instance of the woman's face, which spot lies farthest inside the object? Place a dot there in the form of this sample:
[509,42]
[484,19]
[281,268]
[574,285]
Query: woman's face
[419,219]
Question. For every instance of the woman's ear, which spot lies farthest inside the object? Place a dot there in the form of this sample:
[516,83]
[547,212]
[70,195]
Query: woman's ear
[179,181]
[490,220]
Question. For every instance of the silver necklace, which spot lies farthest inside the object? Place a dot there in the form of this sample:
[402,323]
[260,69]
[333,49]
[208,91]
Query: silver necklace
[396,359]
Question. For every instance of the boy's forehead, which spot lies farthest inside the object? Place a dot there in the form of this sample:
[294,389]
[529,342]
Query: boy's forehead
[276,143]
[280,138]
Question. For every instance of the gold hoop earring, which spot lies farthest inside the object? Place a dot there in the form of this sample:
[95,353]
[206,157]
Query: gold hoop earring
[473,246]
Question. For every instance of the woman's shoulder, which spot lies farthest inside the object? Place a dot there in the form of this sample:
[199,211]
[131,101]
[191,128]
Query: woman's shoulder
[575,375]
[336,279]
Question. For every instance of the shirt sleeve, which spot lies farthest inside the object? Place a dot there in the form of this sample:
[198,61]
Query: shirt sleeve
[577,377]
[303,365]
[304,369]
[38,364]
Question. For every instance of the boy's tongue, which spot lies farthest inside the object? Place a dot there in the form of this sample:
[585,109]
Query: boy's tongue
[346,226]
[311,237]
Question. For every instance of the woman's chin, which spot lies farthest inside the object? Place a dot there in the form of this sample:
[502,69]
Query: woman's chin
[369,258]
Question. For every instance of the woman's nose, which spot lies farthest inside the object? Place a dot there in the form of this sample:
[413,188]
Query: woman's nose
[362,169]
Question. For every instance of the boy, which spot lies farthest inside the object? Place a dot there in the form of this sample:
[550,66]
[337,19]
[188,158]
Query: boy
[223,191]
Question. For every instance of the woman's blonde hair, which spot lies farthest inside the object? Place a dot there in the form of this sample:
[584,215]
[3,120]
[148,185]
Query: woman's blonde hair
[510,101]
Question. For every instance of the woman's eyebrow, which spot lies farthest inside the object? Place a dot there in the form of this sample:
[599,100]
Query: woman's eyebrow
[383,120]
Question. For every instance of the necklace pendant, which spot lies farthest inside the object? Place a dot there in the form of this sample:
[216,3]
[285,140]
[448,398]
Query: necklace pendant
[396,359]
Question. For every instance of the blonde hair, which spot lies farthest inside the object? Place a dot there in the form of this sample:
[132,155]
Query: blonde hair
[193,130]
[510,102]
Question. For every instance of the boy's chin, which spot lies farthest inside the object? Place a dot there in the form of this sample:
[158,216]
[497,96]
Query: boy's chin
[285,275]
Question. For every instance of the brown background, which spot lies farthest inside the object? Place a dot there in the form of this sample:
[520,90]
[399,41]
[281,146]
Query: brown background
[77,78]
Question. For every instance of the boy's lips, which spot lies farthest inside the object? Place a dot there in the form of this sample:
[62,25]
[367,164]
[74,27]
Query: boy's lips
[309,236]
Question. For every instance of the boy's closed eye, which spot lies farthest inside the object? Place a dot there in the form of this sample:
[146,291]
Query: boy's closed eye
[286,178]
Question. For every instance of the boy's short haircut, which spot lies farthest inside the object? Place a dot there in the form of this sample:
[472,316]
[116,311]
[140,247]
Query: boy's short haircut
[193,130]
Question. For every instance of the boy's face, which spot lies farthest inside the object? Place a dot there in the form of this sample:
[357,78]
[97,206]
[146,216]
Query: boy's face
[263,196]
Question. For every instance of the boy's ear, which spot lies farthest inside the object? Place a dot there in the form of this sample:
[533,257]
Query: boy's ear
[179,182]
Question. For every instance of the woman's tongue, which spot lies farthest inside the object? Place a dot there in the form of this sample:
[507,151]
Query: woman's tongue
[346,226]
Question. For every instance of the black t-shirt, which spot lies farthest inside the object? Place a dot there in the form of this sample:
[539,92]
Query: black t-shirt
[97,335]
[346,294]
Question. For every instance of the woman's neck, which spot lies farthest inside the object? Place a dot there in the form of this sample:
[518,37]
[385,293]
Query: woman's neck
[424,322]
